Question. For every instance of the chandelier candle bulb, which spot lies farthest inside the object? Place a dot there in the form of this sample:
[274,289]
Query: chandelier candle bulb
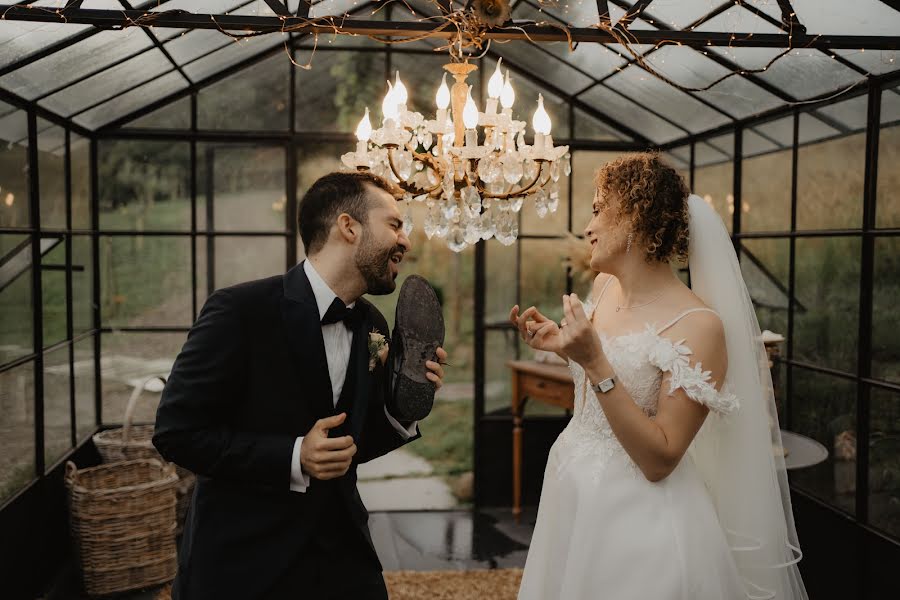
[442,99]
[507,96]
[495,90]
[470,120]
[401,96]
[363,132]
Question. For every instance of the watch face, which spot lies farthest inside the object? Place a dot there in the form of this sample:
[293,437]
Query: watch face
[606,385]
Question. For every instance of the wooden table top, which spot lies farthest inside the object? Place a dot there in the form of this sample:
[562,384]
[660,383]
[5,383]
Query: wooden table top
[558,373]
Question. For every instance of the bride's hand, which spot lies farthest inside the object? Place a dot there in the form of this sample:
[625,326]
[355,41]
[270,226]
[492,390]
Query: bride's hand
[536,330]
[577,337]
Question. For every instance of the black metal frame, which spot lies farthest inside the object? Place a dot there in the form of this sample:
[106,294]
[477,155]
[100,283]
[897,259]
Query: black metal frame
[291,139]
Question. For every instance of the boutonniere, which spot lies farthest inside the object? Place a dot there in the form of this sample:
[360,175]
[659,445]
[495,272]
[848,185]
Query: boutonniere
[378,349]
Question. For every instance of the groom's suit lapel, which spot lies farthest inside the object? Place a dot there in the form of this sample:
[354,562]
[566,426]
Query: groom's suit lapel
[303,330]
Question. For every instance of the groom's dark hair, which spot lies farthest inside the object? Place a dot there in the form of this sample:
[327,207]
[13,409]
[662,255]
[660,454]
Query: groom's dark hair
[331,195]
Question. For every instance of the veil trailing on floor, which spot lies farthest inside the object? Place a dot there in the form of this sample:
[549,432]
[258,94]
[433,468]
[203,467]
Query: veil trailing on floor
[739,456]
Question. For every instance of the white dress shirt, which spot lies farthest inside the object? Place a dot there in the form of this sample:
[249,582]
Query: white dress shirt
[338,342]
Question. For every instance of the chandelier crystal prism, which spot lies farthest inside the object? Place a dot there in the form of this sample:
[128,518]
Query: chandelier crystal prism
[473,182]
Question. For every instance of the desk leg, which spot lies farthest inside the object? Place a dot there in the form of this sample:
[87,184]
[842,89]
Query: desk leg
[517,405]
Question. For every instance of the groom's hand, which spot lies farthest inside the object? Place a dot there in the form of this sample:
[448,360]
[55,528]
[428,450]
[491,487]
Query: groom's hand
[323,457]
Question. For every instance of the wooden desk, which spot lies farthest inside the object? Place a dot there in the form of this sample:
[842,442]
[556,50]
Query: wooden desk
[551,384]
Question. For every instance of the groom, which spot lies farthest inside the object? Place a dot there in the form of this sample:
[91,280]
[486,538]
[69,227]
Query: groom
[274,401]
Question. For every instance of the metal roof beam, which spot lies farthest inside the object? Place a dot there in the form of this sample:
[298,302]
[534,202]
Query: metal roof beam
[160,46]
[250,23]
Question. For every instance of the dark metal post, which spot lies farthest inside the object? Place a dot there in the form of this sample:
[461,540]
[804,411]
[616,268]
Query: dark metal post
[70,313]
[867,276]
[210,158]
[37,302]
[95,276]
[480,357]
[792,287]
[194,308]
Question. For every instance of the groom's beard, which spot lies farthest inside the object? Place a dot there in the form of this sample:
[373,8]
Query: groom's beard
[374,265]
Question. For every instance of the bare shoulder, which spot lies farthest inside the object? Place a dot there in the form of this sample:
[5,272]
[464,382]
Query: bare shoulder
[599,282]
[701,326]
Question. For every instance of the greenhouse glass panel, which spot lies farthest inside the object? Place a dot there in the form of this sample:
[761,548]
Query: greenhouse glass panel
[57,409]
[92,55]
[147,281]
[852,114]
[51,171]
[532,59]
[735,95]
[764,266]
[121,78]
[17,424]
[824,408]
[624,111]
[230,54]
[885,316]
[252,99]
[766,190]
[19,39]
[887,212]
[803,73]
[196,43]
[830,183]
[860,17]
[323,105]
[678,14]
[175,115]
[780,131]
[14,168]
[659,96]
[876,62]
[85,406]
[587,127]
[812,130]
[754,144]
[884,461]
[132,100]
[827,285]
[16,310]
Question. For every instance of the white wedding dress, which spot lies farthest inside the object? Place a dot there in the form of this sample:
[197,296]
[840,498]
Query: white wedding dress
[720,526]
[603,530]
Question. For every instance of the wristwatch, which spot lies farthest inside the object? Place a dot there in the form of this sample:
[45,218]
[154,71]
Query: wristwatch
[604,386]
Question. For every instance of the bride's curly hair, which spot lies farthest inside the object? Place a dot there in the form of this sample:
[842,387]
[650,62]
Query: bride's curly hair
[653,196]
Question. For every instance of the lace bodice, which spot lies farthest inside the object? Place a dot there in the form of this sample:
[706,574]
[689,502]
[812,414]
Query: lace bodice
[639,359]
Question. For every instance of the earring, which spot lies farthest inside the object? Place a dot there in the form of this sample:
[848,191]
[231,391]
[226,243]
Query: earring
[628,243]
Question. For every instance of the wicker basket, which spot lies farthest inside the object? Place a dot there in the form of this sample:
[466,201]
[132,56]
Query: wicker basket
[131,442]
[122,517]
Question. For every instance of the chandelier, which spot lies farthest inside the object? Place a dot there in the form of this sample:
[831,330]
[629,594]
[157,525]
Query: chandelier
[473,183]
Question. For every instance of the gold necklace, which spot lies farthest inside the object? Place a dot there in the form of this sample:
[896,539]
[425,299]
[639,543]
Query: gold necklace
[620,307]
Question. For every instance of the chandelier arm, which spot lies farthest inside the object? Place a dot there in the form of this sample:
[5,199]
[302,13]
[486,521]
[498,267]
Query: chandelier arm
[430,161]
[404,185]
[525,191]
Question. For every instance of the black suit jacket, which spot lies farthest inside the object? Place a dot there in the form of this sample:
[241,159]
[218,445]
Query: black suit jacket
[251,377]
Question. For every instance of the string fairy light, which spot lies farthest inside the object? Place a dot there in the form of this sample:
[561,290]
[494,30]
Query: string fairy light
[468,35]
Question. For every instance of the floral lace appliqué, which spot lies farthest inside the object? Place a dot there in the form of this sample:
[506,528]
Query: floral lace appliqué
[639,360]
[672,357]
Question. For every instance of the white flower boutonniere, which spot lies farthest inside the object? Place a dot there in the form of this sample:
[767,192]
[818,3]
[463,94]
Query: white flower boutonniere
[378,349]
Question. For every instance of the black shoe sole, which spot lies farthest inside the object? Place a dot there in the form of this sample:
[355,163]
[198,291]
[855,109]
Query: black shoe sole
[418,333]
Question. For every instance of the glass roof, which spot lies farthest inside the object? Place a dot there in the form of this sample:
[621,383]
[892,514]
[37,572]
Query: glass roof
[96,76]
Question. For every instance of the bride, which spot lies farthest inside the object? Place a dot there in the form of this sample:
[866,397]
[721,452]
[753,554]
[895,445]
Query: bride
[667,482]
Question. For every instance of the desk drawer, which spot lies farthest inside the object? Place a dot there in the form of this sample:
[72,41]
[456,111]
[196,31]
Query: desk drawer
[548,390]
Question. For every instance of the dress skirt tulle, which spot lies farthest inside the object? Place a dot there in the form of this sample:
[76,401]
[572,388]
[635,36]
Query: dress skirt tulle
[605,532]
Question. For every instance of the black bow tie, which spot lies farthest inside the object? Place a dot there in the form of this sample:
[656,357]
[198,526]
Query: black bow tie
[338,312]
